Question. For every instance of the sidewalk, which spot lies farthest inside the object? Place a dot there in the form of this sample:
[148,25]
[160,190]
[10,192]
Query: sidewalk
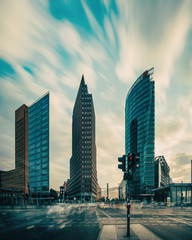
[119,232]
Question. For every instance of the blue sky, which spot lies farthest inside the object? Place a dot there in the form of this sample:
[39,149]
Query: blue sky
[48,45]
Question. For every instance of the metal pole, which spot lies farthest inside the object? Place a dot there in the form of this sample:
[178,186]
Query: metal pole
[128,219]
[107,191]
[128,212]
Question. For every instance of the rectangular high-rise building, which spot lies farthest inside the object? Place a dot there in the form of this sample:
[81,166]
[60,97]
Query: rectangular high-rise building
[21,148]
[17,179]
[38,144]
[83,174]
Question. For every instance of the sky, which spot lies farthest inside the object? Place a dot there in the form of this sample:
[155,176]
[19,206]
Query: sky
[48,45]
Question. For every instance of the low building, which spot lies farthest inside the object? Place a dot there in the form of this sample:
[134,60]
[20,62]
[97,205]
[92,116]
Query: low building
[11,196]
[177,192]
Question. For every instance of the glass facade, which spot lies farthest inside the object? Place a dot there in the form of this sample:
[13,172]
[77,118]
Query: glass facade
[181,193]
[178,193]
[38,144]
[140,132]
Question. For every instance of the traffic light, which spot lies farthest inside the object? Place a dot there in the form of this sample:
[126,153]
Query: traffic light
[131,165]
[131,161]
[122,165]
[137,161]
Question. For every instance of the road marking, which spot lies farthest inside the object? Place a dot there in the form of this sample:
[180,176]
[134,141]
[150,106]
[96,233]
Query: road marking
[180,221]
[108,233]
[29,227]
[143,233]
[62,226]
[105,213]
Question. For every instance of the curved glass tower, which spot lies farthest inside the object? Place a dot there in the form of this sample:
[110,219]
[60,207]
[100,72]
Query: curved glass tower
[140,133]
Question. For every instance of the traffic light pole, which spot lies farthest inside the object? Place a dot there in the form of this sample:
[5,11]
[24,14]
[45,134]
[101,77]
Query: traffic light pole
[128,212]
[128,164]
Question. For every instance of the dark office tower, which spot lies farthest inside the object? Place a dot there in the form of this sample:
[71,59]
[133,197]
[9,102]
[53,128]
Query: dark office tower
[38,145]
[83,175]
[140,133]
[21,149]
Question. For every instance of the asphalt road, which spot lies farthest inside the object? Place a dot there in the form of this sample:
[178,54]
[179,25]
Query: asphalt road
[57,222]
[76,222]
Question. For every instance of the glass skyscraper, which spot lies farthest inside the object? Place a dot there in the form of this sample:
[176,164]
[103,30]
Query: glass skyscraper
[38,144]
[140,133]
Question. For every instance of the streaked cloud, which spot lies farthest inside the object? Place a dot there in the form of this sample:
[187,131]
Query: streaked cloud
[48,45]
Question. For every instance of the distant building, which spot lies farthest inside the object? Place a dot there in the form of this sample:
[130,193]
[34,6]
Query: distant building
[140,133]
[31,150]
[123,190]
[63,191]
[38,145]
[191,171]
[98,192]
[0,177]
[162,172]
[83,174]
[17,179]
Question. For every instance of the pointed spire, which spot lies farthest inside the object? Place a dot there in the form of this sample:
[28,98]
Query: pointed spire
[83,86]
[82,81]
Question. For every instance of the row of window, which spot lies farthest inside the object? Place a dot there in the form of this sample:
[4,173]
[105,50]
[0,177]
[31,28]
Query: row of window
[41,127]
[35,184]
[43,162]
[34,149]
[38,150]
[38,144]
[86,176]
[86,151]
[38,140]
[86,133]
[87,146]
[38,178]
[38,157]
[38,161]
[87,142]
[20,122]
[38,136]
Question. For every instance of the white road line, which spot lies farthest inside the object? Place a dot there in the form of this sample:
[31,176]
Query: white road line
[29,227]
[143,233]
[105,213]
[108,232]
[179,221]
